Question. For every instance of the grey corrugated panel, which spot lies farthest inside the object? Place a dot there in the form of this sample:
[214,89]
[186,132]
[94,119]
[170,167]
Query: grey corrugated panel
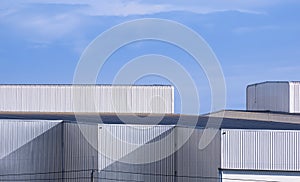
[79,154]
[30,146]
[86,98]
[140,136]
[260,150]
[273,96]
[192,161]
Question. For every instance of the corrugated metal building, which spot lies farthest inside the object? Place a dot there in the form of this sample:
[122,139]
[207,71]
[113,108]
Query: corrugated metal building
[40,144]
[87,98]
[249,146]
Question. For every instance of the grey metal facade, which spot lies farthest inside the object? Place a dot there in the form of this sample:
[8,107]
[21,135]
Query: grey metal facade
[87,98]
[274,96]
[35,148]
[79,155]
[42,150]
[194,164]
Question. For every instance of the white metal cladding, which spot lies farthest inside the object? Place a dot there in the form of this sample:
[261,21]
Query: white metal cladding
[295,97]
[263,176]
[273,96]
[260,150]
[87,98]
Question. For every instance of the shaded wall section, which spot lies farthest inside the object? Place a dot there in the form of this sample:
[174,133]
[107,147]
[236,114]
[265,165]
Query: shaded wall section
[194,164]
[30,150]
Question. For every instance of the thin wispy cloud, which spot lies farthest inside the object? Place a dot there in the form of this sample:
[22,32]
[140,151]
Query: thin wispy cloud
[42,27]
[135,7]
[64,16]
[53,23]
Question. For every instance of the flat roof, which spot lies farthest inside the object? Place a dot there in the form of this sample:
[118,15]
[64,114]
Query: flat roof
[260,83]
[233,119]
[272,116]
[126,85]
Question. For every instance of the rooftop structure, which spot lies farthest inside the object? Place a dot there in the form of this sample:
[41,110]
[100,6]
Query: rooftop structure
[274,96]
[87,98]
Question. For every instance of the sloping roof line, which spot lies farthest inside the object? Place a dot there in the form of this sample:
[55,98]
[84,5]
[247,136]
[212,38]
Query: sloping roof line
[232,119]
[293,118]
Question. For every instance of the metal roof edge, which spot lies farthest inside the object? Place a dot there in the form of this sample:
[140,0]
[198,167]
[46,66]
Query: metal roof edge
[283,117]
[160,85]
[260,83]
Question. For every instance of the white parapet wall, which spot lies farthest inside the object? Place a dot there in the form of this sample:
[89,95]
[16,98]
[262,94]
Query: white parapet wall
[274,96]
[87,98]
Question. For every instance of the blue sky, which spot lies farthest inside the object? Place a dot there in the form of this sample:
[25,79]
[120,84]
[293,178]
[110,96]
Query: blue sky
[254,40]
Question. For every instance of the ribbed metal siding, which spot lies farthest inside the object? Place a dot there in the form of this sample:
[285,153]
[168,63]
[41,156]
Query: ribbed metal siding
[30,146]
[273,96]
[80,156]
[260,176]
[295,97]
[260,150]
[162,170]
[87,98]
[194,164]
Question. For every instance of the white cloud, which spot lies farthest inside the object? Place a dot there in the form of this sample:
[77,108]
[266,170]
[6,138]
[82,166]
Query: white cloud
[26,17]
[120,8]
[136,7]
[126,8]
[43,28]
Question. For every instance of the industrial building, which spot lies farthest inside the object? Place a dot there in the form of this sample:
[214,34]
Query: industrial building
[249,146]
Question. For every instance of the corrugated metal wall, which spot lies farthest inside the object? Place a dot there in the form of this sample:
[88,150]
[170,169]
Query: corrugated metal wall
[127,144]
[260,150]
[272,96]
[30,150]
[194,164]
[80,156]
[87,98]
[50,150]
